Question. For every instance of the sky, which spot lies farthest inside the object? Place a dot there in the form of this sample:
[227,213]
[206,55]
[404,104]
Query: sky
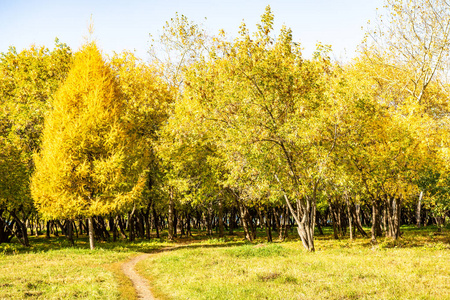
[126,24]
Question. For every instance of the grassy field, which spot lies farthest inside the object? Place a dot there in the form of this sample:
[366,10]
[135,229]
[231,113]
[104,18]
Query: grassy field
[416,267]
[50,269]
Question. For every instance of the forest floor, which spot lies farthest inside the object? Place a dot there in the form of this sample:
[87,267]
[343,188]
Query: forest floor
[202,267]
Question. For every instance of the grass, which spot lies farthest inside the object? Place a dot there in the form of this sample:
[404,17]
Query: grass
[416,267]
[51,269]
[198,267]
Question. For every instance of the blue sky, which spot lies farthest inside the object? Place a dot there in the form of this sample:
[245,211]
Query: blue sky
[126,24]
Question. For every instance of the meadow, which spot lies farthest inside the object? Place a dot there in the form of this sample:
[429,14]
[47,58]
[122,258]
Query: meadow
[202,267]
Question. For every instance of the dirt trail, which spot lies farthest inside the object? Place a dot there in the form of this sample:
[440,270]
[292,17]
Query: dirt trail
[140,283]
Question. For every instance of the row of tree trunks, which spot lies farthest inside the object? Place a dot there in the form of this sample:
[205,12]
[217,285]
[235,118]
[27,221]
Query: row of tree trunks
[346,217]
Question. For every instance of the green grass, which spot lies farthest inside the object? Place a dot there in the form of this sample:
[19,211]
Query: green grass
[415,267]
[50,269]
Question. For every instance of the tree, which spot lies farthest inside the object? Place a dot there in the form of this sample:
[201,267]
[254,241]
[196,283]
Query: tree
[267,113]
[27,81]
[413,36]
[83,167]
[408,57]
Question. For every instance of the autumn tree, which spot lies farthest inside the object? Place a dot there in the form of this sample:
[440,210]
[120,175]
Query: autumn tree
[27,81]
[266,111]
[406,57]
[148,102]
[83,167]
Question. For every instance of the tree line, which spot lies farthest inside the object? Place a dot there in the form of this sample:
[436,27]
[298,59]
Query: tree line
[217,133]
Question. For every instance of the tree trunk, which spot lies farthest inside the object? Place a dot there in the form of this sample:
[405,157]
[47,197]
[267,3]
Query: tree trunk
[170,233]
[221,234]
[244,211]
[419,203]
[268,225]
[231,221]
[350,219]
[305,217]
[393,209]
[70,232]
[29,224]
[91,233]
[80,226]
[283,224]
[6,233]
[209,217]
[188,224]
[374,222]
[277,222]
[175,222]
[357,218]
[147,221]
[112,227]
[120,224]
[252,224]
[47,233]
[131,225]
[155,220]
[319,227]
[22,229]
[261,218]
[141,227]
[333,220]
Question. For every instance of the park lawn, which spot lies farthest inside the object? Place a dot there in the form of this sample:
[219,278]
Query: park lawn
[51,269]
[416,267]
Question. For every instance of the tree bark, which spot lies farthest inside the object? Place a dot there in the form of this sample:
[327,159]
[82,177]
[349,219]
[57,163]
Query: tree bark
[170,233]
[209,218]
[268,225]
[231,221]
[306,210]
[22,229]
[393,209]
[221,231]
[91,233]
[419,203]
[374,221]
[70,232]
[155,220]
[350,219]
[244,212]
[357,218]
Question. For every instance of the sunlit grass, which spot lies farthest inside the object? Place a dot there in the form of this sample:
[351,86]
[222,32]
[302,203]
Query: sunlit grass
[51,269]
[416,267]
[201,267]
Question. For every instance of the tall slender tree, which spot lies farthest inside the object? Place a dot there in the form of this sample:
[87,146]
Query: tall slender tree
[82,168]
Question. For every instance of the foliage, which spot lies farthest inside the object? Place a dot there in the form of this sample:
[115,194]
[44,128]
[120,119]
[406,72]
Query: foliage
[27,81]
[82,168]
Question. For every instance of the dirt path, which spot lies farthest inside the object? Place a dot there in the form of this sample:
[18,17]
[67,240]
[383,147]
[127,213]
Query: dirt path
[140,283]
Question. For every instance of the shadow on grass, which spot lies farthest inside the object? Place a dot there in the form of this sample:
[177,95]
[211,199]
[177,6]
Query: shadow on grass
[43,244]
[412,237]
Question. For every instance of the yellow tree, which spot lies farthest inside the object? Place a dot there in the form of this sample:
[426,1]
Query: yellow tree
[269,113]
[405,58]
[385,144]
[27,80]
[148,100]
[83,165]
